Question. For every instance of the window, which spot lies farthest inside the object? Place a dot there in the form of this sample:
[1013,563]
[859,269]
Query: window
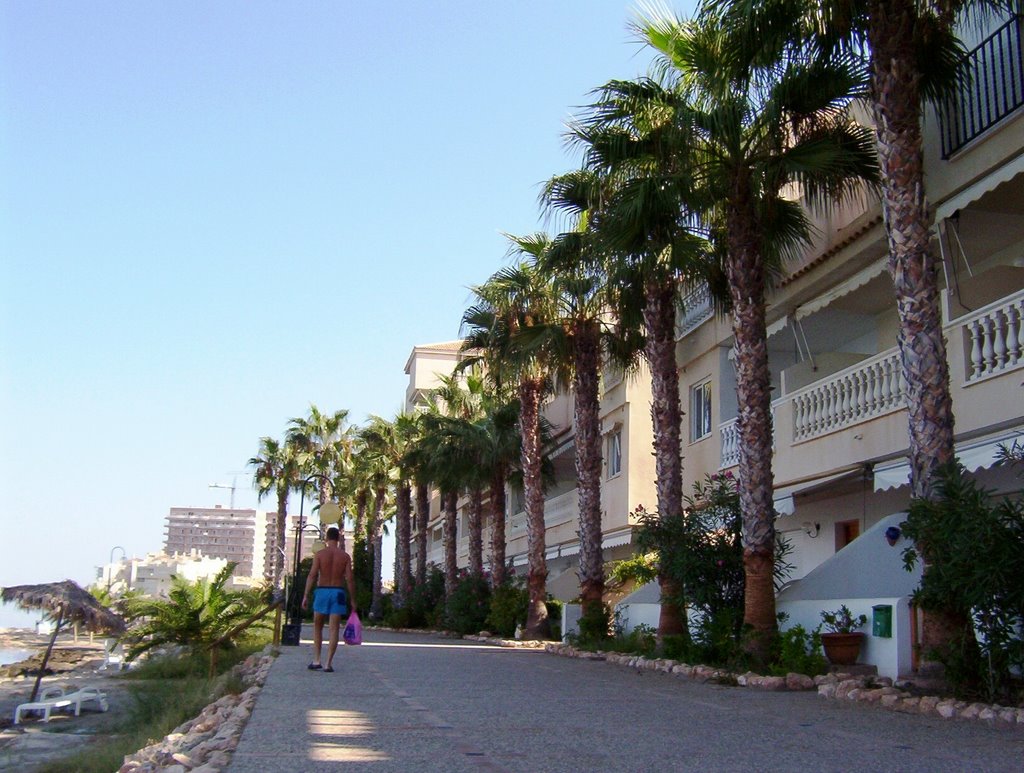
[700,411]
[615,453]
[846,532]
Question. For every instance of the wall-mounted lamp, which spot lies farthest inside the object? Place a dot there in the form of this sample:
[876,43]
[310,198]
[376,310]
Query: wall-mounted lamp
[811,529]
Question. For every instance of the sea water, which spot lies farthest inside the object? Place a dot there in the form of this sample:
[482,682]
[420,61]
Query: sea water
[13,656]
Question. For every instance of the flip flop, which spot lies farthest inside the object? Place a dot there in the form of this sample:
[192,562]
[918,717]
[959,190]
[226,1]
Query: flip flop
[329,670]
[314,666]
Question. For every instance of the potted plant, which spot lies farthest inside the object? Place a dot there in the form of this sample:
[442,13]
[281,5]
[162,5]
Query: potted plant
[842,641]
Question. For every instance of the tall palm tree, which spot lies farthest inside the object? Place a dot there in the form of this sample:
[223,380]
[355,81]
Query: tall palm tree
[322,441]
[760,120]
[633,144]
[389,443]
[276,468]
[911,52]
[575,335]
[511,302]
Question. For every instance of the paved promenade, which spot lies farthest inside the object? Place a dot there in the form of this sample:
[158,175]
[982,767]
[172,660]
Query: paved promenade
[411,704]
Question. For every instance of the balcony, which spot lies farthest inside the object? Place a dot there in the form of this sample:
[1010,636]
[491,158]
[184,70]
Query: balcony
[989,341]
[991,87]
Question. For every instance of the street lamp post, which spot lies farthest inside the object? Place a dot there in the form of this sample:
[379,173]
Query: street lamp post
[293,628]
[110,564]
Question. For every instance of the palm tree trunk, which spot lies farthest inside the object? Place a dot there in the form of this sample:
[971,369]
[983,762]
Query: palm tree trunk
[403,533]
[745,273]
[587,407]
[476,533]
[377,541]
[422,521]
[359,526]
[498,526]
[530,393]
[280,535]
[449,502]
[897,105]
[666,417]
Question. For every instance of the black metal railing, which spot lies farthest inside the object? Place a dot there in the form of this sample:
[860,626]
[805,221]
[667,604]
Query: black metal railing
[991,87]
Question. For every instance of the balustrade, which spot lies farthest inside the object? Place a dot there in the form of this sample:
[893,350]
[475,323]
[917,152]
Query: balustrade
[995,338]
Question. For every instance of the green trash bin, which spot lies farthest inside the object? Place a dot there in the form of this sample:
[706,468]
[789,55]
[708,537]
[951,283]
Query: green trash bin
[881,621]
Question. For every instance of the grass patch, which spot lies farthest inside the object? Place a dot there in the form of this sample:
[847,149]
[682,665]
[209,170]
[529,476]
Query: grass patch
[164,693]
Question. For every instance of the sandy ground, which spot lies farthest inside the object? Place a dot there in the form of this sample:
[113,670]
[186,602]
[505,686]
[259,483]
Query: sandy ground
[25,746]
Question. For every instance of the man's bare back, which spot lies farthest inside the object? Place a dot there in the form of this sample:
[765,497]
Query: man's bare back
[330,565]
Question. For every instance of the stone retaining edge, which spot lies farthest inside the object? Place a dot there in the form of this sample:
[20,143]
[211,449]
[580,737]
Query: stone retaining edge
[878,691]
[204,744]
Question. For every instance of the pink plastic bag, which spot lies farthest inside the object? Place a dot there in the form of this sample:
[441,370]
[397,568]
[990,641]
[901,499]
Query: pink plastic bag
[353,633]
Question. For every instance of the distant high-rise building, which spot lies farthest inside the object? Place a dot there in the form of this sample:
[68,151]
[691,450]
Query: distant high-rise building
[219,532]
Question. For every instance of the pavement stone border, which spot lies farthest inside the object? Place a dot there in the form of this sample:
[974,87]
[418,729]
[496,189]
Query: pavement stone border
[204,744]
[878,691]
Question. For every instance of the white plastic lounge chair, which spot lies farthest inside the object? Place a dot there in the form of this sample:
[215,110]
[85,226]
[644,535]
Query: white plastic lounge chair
[88,695]
[55,698]
[49,699]
[113,656]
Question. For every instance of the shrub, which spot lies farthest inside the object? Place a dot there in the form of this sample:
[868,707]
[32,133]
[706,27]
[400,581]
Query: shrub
[194,615]
[797,650]
[423,607]
[509,603]
[467,607]
[974,546]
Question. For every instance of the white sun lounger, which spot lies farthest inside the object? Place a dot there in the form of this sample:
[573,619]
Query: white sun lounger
[55,698]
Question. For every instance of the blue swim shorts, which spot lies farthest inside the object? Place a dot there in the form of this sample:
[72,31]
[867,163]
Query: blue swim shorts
[330,601]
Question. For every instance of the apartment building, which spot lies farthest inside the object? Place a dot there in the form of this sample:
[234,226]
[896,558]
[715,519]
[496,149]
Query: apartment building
[238,535]
[840,419]
[628,475]
[839,408]
[151,575]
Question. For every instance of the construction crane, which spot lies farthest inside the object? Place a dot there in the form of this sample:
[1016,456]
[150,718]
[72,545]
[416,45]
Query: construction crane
[232,487]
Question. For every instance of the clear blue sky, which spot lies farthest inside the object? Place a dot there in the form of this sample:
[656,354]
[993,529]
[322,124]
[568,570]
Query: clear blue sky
[214,214]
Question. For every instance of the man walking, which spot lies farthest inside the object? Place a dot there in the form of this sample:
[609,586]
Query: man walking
[331,566]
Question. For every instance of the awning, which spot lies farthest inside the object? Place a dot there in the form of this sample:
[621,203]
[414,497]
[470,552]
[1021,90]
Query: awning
[613,541]
[859,279]
[784,497]
[571,550]
[974,455]
[520,560]
[972,193]
[551,553]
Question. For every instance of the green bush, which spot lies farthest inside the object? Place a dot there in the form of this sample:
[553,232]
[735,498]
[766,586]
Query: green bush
[974,546]
[423,607]
[799,651]
[468,606]
[194,615]
[509,604]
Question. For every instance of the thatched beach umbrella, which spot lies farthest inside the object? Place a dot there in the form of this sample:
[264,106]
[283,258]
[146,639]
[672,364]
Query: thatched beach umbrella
[67,603]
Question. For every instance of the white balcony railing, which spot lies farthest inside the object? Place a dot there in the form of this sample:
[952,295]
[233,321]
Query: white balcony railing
[995,336]
[730,437]
[696,306]
[993,344]
[557,510]
[729,432]
[868,389]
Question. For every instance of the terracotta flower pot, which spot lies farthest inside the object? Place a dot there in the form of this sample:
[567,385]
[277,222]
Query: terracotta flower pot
[842,649]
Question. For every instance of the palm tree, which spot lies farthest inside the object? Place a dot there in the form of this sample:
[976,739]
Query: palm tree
[276,469]
[511,303]
[322,443]
[575,335]
[389,444]
[760,120]
[912,53]
[194,614]
[637,160]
